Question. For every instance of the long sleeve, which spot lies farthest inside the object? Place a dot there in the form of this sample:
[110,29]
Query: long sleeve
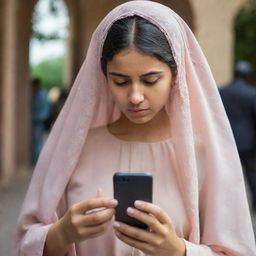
[34,233]
[33,241]
[198,250]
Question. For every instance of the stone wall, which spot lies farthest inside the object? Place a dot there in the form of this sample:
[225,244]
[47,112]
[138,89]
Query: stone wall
[2,8]
[8,104]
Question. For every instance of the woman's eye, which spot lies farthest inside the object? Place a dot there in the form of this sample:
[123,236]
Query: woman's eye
[151,82]
[120,83]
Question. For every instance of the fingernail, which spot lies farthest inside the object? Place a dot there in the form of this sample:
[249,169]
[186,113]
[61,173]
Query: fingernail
[138,203]
[116,224]
[130,210]
[113,202]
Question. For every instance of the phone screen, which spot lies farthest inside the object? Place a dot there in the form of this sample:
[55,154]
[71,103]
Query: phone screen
[129,187]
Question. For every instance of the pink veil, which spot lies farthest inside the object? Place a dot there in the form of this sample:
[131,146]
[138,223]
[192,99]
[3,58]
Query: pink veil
[199,124]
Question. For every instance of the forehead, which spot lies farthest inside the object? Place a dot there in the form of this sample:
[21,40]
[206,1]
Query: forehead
[132,61]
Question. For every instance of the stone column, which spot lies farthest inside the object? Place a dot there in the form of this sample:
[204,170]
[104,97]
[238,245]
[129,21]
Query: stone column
[23,87]
[2,9]
[8,100]
[75,42]
[214,31]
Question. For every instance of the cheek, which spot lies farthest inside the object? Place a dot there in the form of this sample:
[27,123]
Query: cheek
[161,95]
[118,96]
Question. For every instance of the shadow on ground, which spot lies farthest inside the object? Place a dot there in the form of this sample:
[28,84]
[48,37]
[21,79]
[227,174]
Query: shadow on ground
[11,199]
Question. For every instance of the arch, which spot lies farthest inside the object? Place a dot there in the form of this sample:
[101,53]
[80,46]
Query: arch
[23,89]
[2,11]
[84,18]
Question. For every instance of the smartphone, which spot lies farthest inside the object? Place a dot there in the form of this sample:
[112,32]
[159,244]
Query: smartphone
[129,187]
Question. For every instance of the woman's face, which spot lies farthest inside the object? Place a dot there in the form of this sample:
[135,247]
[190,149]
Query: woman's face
[140,84]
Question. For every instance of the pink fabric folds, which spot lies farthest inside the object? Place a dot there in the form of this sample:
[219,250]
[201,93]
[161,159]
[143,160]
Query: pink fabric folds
[218,212]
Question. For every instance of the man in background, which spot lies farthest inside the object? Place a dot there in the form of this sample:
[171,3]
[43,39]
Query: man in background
[239,99]
[40,112]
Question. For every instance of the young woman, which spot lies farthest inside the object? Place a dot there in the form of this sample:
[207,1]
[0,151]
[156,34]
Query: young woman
[144,101]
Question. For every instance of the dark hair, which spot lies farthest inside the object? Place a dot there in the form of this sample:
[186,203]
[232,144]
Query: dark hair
[139,32]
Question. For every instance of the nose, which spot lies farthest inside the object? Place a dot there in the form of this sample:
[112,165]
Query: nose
[136,95]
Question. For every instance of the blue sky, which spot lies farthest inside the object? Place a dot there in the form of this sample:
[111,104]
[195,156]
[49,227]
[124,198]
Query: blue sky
[40,51]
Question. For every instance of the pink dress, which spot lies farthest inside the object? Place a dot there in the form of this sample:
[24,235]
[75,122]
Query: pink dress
[104,154]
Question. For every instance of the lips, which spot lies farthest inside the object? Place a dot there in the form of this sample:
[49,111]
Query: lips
[138,112]
[137,109]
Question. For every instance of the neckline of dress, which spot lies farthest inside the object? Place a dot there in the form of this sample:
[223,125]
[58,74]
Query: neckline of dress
[136,142]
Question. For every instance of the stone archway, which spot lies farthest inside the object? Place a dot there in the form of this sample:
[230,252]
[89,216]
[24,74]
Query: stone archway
[1,70]
[15,95]
[22,87]
[84,18]
[23,134]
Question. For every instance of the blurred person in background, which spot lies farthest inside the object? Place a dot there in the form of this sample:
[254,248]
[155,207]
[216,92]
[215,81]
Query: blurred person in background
[239,99]
[40,112]
[57,98]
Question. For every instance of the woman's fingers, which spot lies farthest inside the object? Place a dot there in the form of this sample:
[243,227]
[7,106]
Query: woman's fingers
[151,221]
[137,233]
[94,231]
[98,217]
[143,246]
[154,210]
[94,204]
[83,233]
[161,241]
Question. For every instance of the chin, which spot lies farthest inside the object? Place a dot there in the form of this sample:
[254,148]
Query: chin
[141,120]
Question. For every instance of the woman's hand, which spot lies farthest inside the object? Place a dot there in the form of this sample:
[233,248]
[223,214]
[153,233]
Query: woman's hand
[160,239]
[82,221]
[87,219]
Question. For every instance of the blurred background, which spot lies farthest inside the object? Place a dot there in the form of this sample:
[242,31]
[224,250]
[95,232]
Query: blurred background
[42,46]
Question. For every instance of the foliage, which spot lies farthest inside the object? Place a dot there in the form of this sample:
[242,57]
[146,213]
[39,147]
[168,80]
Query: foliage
[43,37]
[51,72]
[245,30]
[54,10]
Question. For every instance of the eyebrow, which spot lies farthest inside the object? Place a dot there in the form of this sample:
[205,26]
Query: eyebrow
[147,74]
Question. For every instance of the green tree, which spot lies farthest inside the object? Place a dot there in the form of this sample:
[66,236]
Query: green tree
[245,31]
[50,72]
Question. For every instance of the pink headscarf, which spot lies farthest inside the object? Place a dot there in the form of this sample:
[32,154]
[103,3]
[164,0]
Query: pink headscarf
[198,121]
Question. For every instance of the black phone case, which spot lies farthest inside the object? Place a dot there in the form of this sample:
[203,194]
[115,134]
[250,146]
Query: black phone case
[129,187]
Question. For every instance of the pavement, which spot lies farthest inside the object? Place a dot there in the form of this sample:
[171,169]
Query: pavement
[11,199]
